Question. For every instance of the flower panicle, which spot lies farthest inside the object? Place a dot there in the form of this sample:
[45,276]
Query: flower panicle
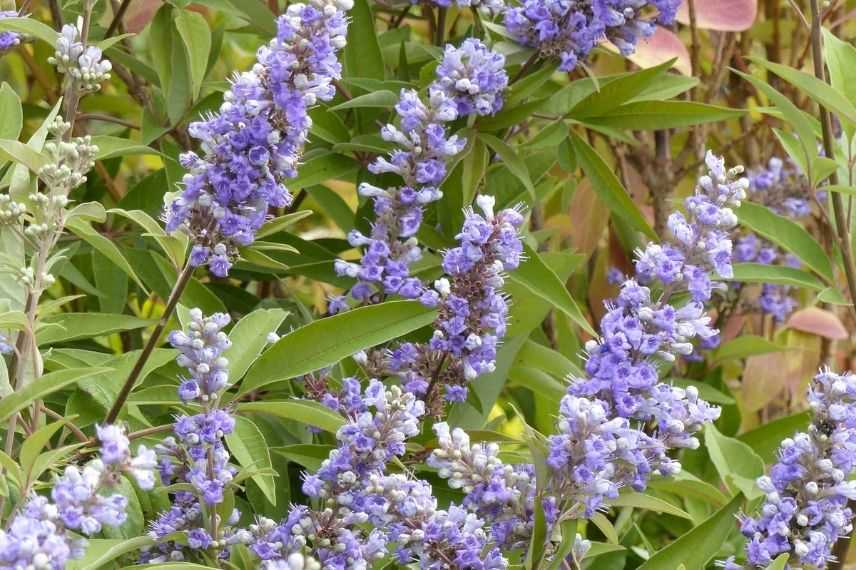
[253,145]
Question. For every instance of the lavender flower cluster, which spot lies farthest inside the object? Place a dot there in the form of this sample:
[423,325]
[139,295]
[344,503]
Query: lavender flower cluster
[8,40]
[197,454]
[782,188]
[805,510]
[617,425]
[603,443]
[472,309]
[470,81]
[567,30]
[365,513]
[253,145]
[45,532]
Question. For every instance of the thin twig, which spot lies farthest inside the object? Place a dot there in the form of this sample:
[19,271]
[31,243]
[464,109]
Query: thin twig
[441,26]
[117,18]
[174,296]
[108,119]
[829,148]
[70,425]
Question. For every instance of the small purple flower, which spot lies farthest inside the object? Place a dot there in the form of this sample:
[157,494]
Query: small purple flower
[9,40]
[474,77]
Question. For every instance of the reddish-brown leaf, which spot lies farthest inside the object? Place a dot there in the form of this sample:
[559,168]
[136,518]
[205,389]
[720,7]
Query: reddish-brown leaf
[819,322]
[721,15]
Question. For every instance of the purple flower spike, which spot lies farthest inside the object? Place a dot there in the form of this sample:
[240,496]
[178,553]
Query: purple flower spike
[253,145]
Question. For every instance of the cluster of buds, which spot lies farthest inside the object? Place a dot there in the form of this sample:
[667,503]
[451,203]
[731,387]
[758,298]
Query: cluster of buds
[27,276]
[80,62]
[68,161]
[10,210]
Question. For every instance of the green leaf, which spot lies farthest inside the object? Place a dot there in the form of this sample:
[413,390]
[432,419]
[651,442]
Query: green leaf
[544,358]
[249,338]
[788,234]
[820,91]
[196,36]
[279,223]
[101,551]
[510,159]
[10,110]
[33,446]
[327,341]
[375,99]
[41,387]
[649,503]
[618,91]
[792,114]
[538,449]
[738,466]
[698,546]
[687,484]
[13,320]
[111,147]
[174,246]
[780,563]
[11,468]
[257,14]
[30,27]
[777,274]
[72,326]
[22,154]
[104,245]
[606,527]
[765,440]
[473,168]
[170,565]
[363,57]
[171,62]
[654,115]
[324,167]
[248,445]
[568,530]
[307,412]
[308,455]
[608,188]
[600,548]
[840,59]
[841,189]
[744,347]
[539,279]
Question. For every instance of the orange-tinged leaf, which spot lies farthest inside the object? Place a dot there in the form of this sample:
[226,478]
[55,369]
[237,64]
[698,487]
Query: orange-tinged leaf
[819,322]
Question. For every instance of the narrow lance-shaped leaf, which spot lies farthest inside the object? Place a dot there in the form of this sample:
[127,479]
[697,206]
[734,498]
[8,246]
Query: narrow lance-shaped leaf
[327,341]
[608,188]
[700,545]
[788,234]
[538,278]
[43,386]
